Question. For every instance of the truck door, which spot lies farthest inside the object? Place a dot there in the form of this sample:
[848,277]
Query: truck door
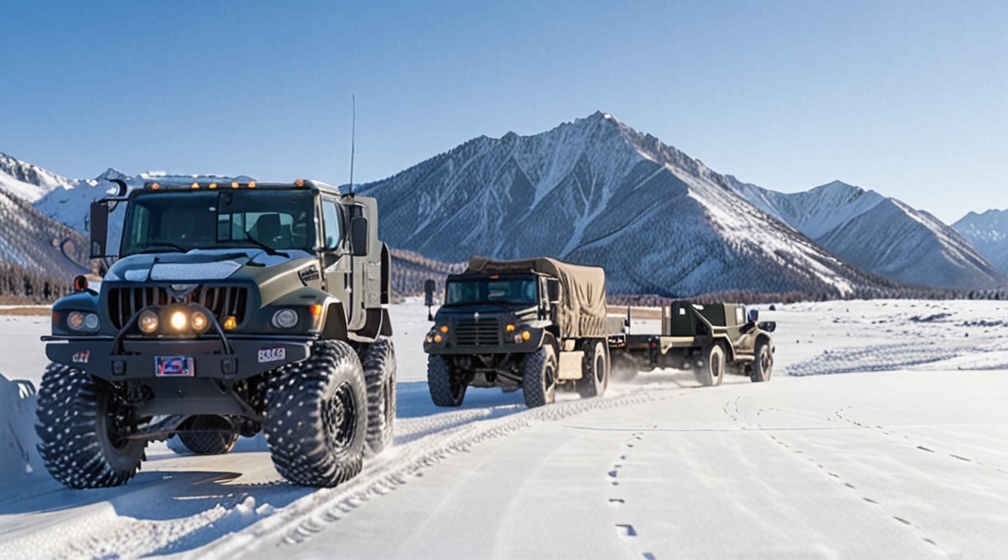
[338,273]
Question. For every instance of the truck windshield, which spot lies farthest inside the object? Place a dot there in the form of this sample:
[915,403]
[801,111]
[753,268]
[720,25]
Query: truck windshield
[515,291]
[182,221]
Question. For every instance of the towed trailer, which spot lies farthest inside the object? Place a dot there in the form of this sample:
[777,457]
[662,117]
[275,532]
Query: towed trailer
[707,339]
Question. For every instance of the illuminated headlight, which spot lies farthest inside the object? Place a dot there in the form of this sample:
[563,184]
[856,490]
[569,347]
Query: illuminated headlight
[178,320]
[75,320]
[78,321]
[148,321]
[285,319]
[199,321]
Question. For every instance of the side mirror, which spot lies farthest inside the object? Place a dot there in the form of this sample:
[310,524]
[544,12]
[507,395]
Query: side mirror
[768,326]
[99,229]
[359,236]
[753,315]
[553,291]
[429,286]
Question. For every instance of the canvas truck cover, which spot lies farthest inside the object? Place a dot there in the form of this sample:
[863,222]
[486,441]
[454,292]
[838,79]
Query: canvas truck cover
[582,313]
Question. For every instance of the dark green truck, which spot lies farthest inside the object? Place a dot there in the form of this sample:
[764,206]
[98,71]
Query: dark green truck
[709,339]
[233,308]
[534,324]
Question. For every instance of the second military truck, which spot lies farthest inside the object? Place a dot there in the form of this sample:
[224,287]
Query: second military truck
[532,324]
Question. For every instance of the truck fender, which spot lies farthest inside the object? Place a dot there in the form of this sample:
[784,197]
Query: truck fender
[335,327]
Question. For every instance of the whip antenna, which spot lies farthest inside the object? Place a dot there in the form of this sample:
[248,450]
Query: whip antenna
[353,138]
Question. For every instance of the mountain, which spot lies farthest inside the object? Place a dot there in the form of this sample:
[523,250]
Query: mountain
[38,257]
[595,191]
[879,234]
[988,233]
[25,180]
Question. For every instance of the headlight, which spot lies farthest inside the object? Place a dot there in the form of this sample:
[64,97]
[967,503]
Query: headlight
[199,321]
[91,322]
[178,320]
[148,321]
[285,319]
[75,320]
[79,321]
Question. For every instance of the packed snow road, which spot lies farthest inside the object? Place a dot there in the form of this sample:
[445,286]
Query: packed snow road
[906,462]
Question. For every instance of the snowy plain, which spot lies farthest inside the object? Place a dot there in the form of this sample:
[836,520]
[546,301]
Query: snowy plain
[881,435]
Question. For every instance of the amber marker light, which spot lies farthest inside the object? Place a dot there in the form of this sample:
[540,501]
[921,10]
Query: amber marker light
[316,310]
[251,184]
[509,328]
[437,338]
[155,186]
[299,183]
[230,323]
[444,329]
[234,184]
[526,335]
[195,185]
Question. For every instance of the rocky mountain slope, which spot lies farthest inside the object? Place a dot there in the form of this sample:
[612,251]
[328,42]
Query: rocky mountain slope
[595,191]
[879,234]
[988,233]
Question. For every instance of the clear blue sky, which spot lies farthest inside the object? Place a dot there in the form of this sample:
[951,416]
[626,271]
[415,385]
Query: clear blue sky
[909,98]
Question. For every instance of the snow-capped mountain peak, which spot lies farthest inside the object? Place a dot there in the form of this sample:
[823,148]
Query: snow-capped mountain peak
[26,180]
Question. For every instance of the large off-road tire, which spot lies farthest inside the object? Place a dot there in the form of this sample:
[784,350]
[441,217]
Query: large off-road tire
[594,369]
[379,362]
[762,366]
[540,377]
[446,388]
[622,367]
[209,442]
[80,422]
[712,371]
[316,416]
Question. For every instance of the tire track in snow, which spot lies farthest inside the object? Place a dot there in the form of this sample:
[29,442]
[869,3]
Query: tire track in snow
[312,514]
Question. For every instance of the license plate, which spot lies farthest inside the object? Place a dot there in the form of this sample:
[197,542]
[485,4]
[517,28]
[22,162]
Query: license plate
[174,366]
[267,355]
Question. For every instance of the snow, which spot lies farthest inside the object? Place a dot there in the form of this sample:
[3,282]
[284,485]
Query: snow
[904,459]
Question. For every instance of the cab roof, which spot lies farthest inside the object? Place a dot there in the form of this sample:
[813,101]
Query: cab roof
[208,184]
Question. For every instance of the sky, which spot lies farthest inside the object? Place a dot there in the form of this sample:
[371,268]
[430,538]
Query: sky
[907,98]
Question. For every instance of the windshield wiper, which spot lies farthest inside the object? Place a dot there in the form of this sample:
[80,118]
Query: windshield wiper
[148,246]
[269,250]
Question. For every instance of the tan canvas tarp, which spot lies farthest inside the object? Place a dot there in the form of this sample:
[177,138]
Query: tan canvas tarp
[582,313]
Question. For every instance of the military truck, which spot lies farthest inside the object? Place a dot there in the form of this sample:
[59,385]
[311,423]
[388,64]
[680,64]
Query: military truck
[534,324]
[708,339]
[233,308]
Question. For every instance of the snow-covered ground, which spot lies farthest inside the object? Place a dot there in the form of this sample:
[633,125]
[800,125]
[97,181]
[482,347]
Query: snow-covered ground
[906,458]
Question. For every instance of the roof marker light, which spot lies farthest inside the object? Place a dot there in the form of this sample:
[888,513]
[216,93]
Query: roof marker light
[251,184]
[299,183]
[155,186]
[234,184]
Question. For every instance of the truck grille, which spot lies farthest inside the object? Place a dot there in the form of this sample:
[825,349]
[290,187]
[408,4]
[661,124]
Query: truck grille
[222,301]
[475,332]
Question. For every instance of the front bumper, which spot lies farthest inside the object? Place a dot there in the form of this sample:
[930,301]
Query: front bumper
[450,348]
[249,356]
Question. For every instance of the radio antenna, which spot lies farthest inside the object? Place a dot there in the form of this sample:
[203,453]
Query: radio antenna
[353,138]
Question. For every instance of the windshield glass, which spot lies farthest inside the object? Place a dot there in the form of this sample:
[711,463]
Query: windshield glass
[181,221]
[515,291]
